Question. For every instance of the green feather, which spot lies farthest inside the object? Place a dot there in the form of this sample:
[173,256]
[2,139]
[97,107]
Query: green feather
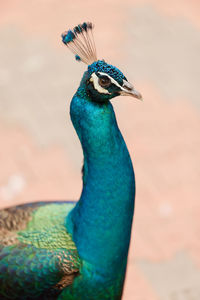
[47,229]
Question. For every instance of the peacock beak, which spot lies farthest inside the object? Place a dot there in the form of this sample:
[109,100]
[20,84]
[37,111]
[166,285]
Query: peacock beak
[127,89]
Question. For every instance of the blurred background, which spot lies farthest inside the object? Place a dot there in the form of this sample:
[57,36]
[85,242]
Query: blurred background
[156,44]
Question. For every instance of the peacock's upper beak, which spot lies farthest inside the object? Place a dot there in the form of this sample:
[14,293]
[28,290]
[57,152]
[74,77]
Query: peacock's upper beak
[127,89]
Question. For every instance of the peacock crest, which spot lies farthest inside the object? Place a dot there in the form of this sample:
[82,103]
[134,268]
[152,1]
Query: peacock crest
[80,41]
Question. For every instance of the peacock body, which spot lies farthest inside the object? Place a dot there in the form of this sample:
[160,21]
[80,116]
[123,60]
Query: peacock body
[68,250]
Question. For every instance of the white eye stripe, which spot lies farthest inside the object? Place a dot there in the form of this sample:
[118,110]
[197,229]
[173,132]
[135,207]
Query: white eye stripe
[116,83]
[95,79]
[111,79]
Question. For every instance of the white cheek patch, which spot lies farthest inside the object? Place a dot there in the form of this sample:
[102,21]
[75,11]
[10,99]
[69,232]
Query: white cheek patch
[95,79]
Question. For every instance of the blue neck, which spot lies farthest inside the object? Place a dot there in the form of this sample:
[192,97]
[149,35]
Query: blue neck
[101,221]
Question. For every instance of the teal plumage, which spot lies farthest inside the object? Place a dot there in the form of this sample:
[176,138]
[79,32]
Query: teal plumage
[37,255]
[64,250]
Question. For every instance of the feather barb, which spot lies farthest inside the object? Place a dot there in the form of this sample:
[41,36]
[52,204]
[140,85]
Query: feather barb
[80,41]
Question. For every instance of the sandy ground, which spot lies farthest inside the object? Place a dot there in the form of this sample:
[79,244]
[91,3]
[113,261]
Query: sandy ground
[156,45]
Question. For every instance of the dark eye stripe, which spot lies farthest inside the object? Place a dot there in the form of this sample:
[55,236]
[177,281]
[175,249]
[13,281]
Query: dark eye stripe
[104,81]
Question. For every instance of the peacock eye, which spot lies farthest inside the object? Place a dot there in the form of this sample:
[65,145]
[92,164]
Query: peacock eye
[104,81]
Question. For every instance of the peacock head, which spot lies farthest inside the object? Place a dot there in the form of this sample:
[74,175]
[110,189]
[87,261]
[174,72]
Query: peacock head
[102,81]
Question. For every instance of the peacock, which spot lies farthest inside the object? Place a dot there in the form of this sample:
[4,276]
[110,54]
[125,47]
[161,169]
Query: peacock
[78,250]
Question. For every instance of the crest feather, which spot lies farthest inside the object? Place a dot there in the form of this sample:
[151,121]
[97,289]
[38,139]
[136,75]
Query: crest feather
[81,42]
